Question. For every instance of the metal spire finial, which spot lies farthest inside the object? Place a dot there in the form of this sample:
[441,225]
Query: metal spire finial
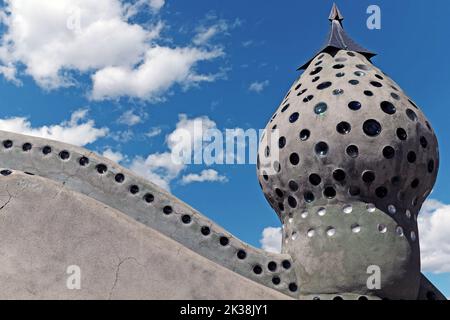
[335,14]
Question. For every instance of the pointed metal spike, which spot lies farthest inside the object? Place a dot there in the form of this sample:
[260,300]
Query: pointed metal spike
[335,14]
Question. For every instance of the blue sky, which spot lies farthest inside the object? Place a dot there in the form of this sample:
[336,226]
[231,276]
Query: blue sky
[239,59]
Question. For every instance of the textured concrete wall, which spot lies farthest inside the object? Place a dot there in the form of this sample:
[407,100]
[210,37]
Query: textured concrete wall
[45,227]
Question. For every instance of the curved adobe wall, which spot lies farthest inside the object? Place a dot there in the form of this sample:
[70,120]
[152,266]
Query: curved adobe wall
[87,173]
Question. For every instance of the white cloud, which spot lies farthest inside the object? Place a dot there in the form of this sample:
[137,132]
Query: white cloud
[130,119]
[258,86]
[55,41]
[162,68]
[271,239]
[77,131]
[434,226]
[205,34]
[153,132]
[162,168]
[115,156]
[132,9]
[208,175]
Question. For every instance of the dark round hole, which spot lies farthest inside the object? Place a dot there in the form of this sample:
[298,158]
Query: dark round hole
[339,175]
[368,176]
[281,206]
[315,179]
[7,144]
[206,231]
[293,185]
[5,172]
[415,183]
[329,192]
[294,159]
[376,84]
[388,107]
[309,197]
[83,161]
[134,189]
[286,264]
[381,192]
[316,71]
[395,181]
[279,193]
[368,93]
[362,298]
[282,142]
[277,166]
[241,254]
[272,266]
[354,191]
[401,134]
[224,241]
[285,108]
[411,115]
[167,210]
[372,128]
[423,142]
[353,82]
[26,147]
[340,74]
[324,85]
[412,157]
[354,105]
[388,152]
[308,98]
[352,151]
[338,92]
[301,92]
[430,166]
[320,108]
[360,73]
[292,202]
[119,178]
[379,77]
[395,96]
[338,298]
[293,287]
[305,134]
[351,54]
[338,66]
[186,219]
[64,155]
[343,127]
[276,280]
[257,269]
[298,86]
[149,198]
[294,117]
[321,149]
[316,78]
[101,168]
[46,150]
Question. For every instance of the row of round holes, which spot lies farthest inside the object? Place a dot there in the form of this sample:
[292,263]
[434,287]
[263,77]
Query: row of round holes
[186,219]
[355,228]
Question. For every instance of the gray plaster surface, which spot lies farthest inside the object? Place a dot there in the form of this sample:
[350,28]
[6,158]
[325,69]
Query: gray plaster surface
[46,227]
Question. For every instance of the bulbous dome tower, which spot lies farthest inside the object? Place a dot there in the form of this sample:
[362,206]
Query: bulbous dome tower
[355,158]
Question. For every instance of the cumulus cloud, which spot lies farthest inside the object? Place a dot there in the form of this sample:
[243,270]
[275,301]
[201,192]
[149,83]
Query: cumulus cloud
[153,132]
[115,156]
[162,68]
[208,175]
[434,226]
[130,118]
[258,87]
[78,130]
[271,239]
[163,168]
[55,41]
